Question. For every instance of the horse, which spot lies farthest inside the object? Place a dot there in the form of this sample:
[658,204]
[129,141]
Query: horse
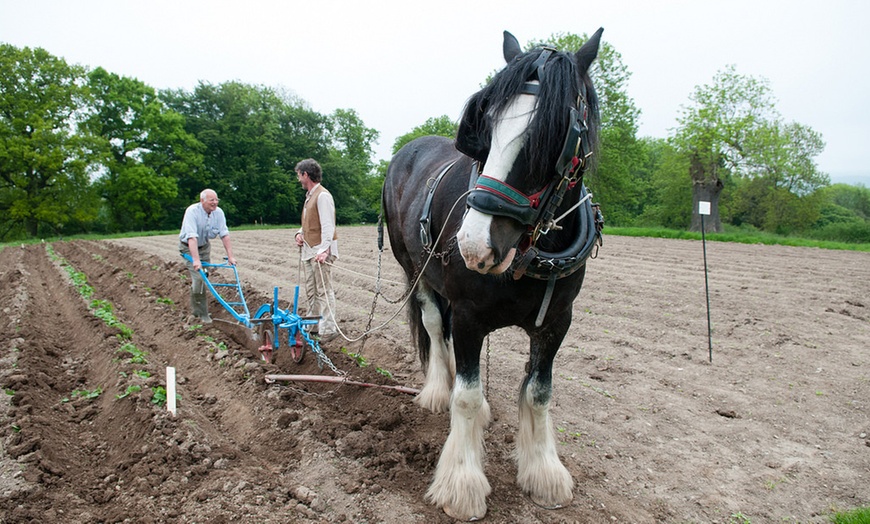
[493,229]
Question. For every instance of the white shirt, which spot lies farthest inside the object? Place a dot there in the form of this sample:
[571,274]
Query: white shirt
[201,225]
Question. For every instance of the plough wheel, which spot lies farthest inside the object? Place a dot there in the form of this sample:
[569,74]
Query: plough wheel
[268,344]
[297,348]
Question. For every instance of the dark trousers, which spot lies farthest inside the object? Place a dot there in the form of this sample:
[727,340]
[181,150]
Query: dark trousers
[198,298]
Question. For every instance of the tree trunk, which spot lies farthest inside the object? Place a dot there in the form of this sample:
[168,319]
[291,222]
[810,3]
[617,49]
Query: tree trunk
[706,191]
[31,225]
[706,187]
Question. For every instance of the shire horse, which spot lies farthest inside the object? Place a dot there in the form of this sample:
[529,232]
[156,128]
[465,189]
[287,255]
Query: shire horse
[516,257]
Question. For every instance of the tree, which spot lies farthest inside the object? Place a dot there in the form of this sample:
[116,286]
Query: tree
[437,126]
[349,169]
[854,198]
[44,164]
[253,138]
[732,133]
[670,197]
[616,184]
[148,150]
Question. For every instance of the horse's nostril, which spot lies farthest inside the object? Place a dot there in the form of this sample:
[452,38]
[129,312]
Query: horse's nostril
[480,265]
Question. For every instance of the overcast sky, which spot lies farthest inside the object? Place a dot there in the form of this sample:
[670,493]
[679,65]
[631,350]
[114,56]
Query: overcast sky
[400,62]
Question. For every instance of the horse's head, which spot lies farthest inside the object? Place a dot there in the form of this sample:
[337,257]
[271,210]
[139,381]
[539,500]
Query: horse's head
[533,123]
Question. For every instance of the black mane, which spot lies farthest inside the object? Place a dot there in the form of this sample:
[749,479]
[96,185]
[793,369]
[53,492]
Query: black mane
[559,86]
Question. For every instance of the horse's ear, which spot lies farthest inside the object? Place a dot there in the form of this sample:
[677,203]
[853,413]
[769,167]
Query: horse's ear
[589,50]
[511,47]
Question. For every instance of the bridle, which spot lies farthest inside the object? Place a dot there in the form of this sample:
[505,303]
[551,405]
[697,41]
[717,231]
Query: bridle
[538,211]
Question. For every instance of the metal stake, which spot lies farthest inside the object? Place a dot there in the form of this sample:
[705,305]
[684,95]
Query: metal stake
[707,287]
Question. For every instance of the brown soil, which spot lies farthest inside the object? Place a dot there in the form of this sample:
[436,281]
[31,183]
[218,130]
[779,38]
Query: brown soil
[775,429]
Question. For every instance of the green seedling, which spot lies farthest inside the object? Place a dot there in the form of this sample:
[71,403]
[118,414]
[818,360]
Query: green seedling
[359,359]
[130,390]
[159,396]
[84,393]
[137,356]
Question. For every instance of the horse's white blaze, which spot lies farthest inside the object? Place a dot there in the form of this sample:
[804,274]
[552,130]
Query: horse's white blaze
[459,486]
[540,473]
[507,141]
[435,395]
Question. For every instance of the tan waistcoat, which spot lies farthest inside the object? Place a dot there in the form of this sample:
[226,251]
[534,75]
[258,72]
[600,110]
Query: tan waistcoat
[311,219]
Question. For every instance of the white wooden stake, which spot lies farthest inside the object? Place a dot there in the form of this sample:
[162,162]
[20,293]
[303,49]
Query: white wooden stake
[170,390]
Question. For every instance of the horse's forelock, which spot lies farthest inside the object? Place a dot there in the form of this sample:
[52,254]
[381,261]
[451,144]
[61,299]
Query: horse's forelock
[559,90]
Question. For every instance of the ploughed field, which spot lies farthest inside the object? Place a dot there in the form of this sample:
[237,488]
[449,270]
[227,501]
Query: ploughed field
[774,429]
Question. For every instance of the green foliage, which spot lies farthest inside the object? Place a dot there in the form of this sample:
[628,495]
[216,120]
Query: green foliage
[735,140]
[89,150]
[620,183]
[103,310]
[356,357]
[84,393]
[45,167]
[436,126]
[159,396]
[670,198]
[133,388]
[79,281]
[852,232]
[253,137]
[137,356]
[855,516]
[854,198]
[146,151]
[743,235]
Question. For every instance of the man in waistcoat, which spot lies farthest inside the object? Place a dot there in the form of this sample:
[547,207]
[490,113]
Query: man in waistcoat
[201,223]
[319,242]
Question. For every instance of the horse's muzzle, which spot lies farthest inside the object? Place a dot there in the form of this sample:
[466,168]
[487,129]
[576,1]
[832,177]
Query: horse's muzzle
[485,261]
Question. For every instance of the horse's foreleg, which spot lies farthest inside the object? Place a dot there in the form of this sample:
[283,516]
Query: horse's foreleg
[540,473]
[435,394]
[459,486]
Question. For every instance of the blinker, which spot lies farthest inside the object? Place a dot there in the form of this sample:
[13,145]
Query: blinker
[493,197]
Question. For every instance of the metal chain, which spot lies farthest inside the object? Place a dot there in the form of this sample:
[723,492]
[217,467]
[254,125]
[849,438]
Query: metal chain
[427,255]
[488,352]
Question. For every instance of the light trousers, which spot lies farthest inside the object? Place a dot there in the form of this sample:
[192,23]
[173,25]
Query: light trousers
[320,294]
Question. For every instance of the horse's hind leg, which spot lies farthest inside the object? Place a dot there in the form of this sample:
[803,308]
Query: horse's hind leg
[440,370]
[540,473]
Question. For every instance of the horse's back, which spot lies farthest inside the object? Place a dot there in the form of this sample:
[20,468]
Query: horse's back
[406,188]
[413,162]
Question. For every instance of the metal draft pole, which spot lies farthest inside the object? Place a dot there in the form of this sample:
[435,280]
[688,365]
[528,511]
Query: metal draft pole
[704,209]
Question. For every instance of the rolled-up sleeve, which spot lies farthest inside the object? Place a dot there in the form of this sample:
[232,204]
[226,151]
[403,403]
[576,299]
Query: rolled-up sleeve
[326,213]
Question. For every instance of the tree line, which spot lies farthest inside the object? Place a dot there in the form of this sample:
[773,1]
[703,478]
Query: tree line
[86,150]
[91,151]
